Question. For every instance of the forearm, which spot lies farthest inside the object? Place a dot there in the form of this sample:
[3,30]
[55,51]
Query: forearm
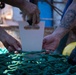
[2,33]
[68,21]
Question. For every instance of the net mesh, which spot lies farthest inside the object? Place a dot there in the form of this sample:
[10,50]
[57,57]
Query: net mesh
[34,63]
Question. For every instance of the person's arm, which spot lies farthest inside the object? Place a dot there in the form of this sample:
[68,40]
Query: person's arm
[16,3]
[51,42]
[68,21]
[27,8]
[8,41]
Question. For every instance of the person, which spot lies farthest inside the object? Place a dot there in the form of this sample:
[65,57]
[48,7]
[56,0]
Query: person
[26,7]
[65,39]
[51,42]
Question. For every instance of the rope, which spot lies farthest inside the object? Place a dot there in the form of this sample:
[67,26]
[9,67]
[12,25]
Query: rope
[55,8]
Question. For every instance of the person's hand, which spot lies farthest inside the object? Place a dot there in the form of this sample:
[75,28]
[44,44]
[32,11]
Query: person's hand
[9,42]
[50,42]
[32,10]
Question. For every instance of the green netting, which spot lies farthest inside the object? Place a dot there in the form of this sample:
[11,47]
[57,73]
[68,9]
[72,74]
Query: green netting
[35,63]
[3,50]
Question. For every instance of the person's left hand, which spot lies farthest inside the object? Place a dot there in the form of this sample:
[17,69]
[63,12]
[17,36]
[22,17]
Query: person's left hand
[50,42]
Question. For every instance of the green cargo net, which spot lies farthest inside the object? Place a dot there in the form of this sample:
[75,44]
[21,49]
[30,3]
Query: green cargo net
[34,63]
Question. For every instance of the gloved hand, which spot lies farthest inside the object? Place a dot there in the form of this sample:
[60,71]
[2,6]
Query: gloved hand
[72,57]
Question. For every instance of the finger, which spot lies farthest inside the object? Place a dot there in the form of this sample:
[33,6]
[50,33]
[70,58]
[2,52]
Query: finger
[16,52]
[43,46]
[44,43]
[38,18]
[17,47]
[34,19]
[44,40]
[6,45]
[10,49]
[47,52]
[49,47]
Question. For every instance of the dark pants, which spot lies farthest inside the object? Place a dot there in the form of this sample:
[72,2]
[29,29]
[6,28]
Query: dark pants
[64,39]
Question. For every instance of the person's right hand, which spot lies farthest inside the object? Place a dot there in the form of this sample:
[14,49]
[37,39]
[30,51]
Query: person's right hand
[8,41]
[50,42]
[11,43]
[32,10]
